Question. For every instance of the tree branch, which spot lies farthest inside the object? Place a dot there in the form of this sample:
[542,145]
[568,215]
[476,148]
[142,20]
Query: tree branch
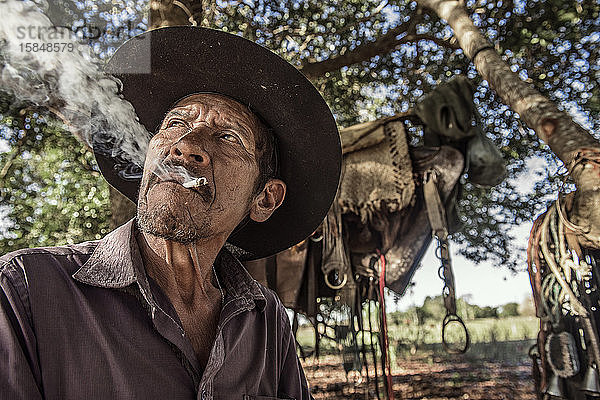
[176,12]
[564,136]
[366,51]
[448,43]
[362,52]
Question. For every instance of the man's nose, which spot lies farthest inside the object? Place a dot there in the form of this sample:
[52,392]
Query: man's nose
[189,153]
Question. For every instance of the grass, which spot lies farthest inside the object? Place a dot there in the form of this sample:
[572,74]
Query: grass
[506,338]
[485,330]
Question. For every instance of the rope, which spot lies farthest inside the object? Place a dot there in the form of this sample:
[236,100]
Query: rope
[385,343]
[562,282]
[361,327]
[576,305]
[536,270]
[583,156]
[371,340]
[551,295]
[533,353]
[533,261]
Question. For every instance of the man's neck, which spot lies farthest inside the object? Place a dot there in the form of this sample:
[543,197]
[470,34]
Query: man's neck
[184,272]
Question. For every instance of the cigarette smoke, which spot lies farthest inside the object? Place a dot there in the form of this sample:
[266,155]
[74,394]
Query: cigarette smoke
[170,172]
[71,84]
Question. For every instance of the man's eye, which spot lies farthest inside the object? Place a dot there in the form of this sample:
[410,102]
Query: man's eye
[176,123]
[230,137]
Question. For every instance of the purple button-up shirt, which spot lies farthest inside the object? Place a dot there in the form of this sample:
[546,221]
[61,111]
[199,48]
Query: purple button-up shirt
[86,322]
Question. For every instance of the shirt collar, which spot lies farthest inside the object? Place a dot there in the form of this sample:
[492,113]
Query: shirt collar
[117,262]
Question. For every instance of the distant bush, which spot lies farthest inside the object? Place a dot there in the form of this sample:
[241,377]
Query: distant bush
[509,310]
[433,310]
[485,312]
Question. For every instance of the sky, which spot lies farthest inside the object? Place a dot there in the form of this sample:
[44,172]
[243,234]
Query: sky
[485,283]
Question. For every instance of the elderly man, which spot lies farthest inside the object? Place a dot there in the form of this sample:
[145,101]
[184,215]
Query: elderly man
[244,162]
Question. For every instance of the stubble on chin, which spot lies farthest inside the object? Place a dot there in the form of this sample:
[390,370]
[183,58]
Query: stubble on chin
[160,221]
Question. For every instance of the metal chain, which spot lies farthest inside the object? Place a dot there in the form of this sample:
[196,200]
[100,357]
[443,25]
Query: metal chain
[449,295]
[445,273]
[439,227]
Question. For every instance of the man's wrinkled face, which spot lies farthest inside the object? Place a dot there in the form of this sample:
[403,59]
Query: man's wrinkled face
[210,136]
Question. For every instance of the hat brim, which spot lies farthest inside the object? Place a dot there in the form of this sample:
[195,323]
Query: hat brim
[186,60]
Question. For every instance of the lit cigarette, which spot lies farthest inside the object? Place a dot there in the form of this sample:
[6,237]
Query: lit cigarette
[196,182]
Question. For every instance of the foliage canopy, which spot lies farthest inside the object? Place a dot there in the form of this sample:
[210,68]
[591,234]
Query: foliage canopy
[368,58]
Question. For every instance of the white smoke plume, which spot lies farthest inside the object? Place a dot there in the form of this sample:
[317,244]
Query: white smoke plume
[66,77]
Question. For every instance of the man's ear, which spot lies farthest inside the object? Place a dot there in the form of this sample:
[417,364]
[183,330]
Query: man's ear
[267,201]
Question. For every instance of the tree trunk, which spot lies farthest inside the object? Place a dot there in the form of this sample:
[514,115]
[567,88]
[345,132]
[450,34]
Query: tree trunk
[565,137]
[181,12]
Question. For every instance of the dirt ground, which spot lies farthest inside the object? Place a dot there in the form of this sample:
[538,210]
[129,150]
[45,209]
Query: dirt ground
[425,377]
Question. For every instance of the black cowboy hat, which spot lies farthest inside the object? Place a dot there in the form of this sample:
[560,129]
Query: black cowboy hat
[161,66]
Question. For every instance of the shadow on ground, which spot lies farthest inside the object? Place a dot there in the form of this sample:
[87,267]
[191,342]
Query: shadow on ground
[428,375]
